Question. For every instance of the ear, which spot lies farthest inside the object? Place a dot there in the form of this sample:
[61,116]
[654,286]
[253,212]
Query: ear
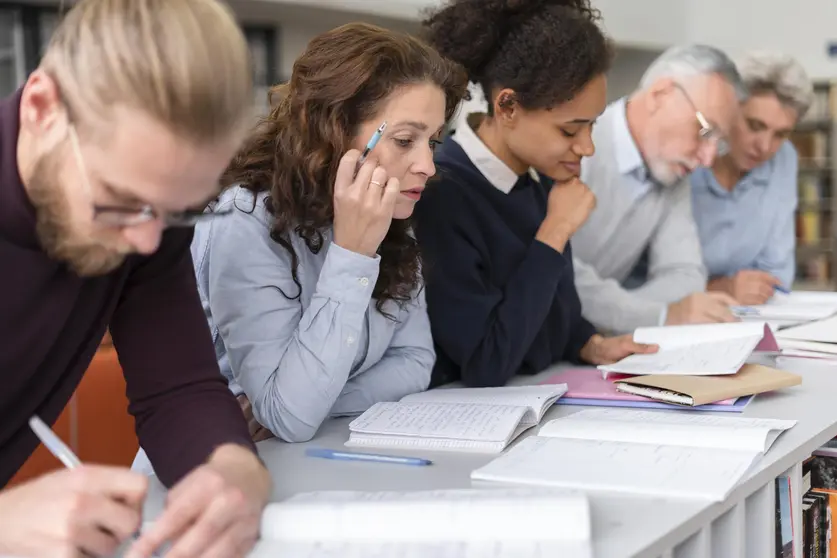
[505,105]
[658,92]
[41,107]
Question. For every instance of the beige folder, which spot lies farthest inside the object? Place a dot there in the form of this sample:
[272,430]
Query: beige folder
[701,390]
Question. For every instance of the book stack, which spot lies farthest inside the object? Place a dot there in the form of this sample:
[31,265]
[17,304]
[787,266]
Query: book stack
[819,499]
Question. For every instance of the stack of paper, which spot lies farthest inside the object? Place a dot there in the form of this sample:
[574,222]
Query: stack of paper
[791,309]
[697,350]
[813,340]
[642,452]
[468,419]
[449,523]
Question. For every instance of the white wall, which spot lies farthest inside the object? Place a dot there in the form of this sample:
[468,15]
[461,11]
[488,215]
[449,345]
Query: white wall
[801,28]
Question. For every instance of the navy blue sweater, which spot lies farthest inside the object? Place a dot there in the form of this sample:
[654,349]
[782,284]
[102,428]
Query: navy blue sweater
[500,302]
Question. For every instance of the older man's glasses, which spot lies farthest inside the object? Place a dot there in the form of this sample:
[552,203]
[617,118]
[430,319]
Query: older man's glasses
[708,132]
[118,216]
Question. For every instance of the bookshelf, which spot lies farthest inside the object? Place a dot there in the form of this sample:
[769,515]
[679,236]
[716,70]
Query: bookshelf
[816,229]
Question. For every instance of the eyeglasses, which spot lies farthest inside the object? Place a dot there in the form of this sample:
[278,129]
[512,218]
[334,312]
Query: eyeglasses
[707,132]
[119,216]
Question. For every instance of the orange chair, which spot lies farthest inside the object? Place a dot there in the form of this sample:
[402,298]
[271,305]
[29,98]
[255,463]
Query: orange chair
[96,423]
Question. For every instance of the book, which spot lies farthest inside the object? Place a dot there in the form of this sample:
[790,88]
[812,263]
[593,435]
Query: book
[824,512]
[784,518]
[819,335]
[483,420]
[698,350]
[462,523]
[685,455]
[689,391]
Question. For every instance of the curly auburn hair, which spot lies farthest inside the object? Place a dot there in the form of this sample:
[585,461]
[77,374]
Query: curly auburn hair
[342,80]
[544,50]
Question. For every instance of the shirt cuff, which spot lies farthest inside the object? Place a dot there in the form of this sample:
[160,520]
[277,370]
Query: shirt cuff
[348,277]
[663,316]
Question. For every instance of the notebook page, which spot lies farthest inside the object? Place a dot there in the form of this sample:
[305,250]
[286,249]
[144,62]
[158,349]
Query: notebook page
[449,515]
[471,549]
[673,337]
[536,399]
[666,471]
[705,359]
[669,428]
[490,423]
[823,331]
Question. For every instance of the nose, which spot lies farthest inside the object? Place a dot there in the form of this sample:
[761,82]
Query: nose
[425,164]
[584,146]
[763,144]
[144,238]
[707,152]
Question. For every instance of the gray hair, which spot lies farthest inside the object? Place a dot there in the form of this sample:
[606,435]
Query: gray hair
[695,60]
[777,73]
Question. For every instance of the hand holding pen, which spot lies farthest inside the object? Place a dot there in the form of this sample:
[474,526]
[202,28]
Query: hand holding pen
[364,200]
[80,510]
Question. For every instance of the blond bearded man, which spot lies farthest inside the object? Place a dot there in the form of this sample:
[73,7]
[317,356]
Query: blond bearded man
[106,153]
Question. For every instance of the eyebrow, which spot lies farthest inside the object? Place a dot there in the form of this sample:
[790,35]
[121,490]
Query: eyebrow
[412,124]
[123,195]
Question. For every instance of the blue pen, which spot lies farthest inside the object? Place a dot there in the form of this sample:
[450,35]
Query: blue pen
[781,289]
[373,141]
[744,311]
[375,458]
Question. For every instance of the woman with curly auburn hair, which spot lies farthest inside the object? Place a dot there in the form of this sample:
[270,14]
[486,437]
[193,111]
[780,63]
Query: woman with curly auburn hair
[312,285]
[496,229]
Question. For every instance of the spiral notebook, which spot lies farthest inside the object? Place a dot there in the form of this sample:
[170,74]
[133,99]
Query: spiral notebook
[481,420]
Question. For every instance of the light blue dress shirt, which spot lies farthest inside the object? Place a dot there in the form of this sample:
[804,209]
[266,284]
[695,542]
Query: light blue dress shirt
[326,352]
[752,226]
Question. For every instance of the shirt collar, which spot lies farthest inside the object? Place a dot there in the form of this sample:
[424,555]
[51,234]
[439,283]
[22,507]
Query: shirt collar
[490,166]
[17,215]
[628,157]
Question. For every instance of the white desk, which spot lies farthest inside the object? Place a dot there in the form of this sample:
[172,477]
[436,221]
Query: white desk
[623,526]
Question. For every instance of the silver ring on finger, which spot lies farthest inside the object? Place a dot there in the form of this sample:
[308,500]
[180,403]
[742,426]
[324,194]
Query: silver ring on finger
[376,183]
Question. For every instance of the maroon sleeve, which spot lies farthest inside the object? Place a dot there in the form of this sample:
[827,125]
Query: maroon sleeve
[181,402]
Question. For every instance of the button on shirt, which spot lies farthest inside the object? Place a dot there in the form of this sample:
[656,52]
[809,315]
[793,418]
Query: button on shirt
[752,226]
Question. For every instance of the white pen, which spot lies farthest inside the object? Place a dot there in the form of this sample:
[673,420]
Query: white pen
[54,444]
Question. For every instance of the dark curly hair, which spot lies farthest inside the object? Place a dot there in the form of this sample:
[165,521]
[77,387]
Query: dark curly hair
[544,50]
[340,81]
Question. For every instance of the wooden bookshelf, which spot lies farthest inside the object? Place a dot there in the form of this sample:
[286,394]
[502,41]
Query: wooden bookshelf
[816,228]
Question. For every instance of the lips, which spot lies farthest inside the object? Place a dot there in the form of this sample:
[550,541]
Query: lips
[414,193]
[574,168]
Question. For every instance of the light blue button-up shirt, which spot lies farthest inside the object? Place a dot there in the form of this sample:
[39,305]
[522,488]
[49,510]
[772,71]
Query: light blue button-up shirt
[324,349]
[752,226]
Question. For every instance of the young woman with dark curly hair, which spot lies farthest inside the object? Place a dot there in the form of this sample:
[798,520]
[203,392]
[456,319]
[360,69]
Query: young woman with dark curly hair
[495,229]
[312,285]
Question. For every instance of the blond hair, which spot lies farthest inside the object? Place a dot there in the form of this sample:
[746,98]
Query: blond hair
[185,63]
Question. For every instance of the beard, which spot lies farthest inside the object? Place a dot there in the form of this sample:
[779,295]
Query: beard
[54,227]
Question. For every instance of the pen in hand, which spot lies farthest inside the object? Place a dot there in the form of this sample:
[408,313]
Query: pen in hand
[54,444]
[373,141]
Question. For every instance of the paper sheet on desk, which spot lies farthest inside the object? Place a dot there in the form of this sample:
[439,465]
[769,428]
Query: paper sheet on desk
[531,549]
[697,350]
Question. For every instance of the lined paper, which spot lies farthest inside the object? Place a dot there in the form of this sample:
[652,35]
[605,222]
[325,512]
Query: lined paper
[493,423]
[536,399]
[669,428]
[667,471]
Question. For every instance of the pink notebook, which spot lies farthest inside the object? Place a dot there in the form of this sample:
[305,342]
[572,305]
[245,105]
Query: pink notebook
[587,383]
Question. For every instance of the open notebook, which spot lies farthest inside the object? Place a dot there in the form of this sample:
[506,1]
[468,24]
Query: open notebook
[685,455]
[467,419]
[794,307]
[445,523]
[697,350]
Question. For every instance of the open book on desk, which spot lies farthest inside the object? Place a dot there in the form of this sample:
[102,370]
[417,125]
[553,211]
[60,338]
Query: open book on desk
[466,419]
[686,455]
[443,523]
[697,350]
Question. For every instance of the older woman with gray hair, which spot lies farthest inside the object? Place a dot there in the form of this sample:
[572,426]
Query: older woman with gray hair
[744,204]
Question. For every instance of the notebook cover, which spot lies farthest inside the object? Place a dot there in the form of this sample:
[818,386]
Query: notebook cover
[750,380]
[587,383]
[645,403]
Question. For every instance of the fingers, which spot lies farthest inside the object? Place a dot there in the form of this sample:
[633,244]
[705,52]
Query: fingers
[364,175]
[217,518]
[391,191]
[92,541]
[186,504]
[375,186]
[723,298]
[643,349]
[720,313]
[346,170]
[117,518]
[116,483]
